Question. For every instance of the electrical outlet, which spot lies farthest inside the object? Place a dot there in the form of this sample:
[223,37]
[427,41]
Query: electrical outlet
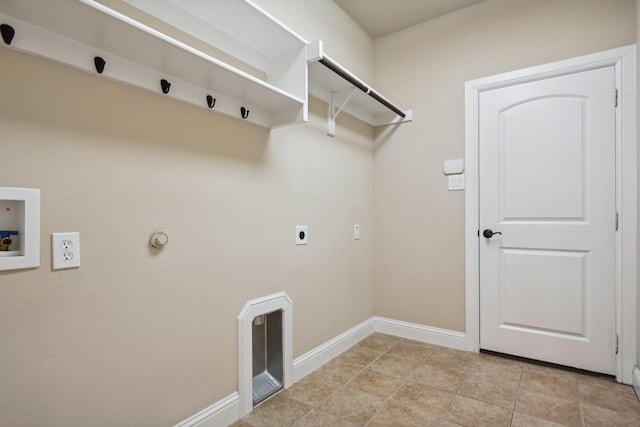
[356,232]
[302,235]
[65,250]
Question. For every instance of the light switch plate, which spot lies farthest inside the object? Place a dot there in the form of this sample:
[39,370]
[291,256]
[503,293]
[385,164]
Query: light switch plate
[65,250]
[456,182]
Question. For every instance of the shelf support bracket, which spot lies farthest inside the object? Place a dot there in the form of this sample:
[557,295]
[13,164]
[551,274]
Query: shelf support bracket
[333,114]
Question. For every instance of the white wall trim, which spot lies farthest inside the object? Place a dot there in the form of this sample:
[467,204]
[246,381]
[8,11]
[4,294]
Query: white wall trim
[227,410]
[624,61]
[221,413]
[313,359]
[636,381]
[414,331]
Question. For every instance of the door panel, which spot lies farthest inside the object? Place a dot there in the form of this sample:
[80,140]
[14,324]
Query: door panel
[530,276]
[555,149]
[547,183]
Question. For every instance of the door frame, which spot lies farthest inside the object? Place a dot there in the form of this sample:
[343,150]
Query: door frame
[624,62]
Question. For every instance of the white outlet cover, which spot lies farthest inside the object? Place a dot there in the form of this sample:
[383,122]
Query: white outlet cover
[65,250]
[302,235]
[356,232]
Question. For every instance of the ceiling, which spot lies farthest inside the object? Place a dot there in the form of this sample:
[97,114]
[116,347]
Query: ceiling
[382,17]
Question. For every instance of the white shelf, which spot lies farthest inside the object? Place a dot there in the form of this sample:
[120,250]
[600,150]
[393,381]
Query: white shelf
[237,27]
[73,32]
[333,88]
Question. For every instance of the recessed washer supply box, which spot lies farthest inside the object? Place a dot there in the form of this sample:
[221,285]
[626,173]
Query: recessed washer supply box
[19,228]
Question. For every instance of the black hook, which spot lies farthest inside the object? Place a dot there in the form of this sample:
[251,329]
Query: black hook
[7,33]
[165,86]
[244,112]
[99,63]
[211,101]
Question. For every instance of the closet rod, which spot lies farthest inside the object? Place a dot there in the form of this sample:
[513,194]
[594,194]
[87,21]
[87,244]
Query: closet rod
[327,62]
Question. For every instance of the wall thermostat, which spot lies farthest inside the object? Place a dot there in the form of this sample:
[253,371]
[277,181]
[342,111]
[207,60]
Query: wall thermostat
[453,166]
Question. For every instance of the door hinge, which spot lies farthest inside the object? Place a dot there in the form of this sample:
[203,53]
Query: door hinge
[616,343]
[615,103]
[617,221]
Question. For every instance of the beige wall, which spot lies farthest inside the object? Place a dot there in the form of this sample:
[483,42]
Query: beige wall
[638,85]
[139,337]
[419,224]
[324,20]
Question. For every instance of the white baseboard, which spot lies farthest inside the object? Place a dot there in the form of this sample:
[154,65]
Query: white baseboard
[220,414]
[312,360]
[227,410]
[414,331]
[636,381]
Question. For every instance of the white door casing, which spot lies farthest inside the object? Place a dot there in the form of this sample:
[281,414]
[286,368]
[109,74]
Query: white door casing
[547,184]
[623,62]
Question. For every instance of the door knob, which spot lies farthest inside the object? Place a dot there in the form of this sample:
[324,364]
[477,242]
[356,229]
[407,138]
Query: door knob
[488,233]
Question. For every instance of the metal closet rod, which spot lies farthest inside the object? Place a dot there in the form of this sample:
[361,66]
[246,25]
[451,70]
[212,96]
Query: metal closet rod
[327,62]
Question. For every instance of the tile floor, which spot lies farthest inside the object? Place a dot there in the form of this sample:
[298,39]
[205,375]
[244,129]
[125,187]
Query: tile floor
[389,381]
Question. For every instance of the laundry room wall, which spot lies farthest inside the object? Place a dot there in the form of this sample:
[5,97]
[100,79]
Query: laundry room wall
[419,223]
[637,3]
[141,337]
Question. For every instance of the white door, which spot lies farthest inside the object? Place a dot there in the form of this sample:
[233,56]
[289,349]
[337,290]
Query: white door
[547,183]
